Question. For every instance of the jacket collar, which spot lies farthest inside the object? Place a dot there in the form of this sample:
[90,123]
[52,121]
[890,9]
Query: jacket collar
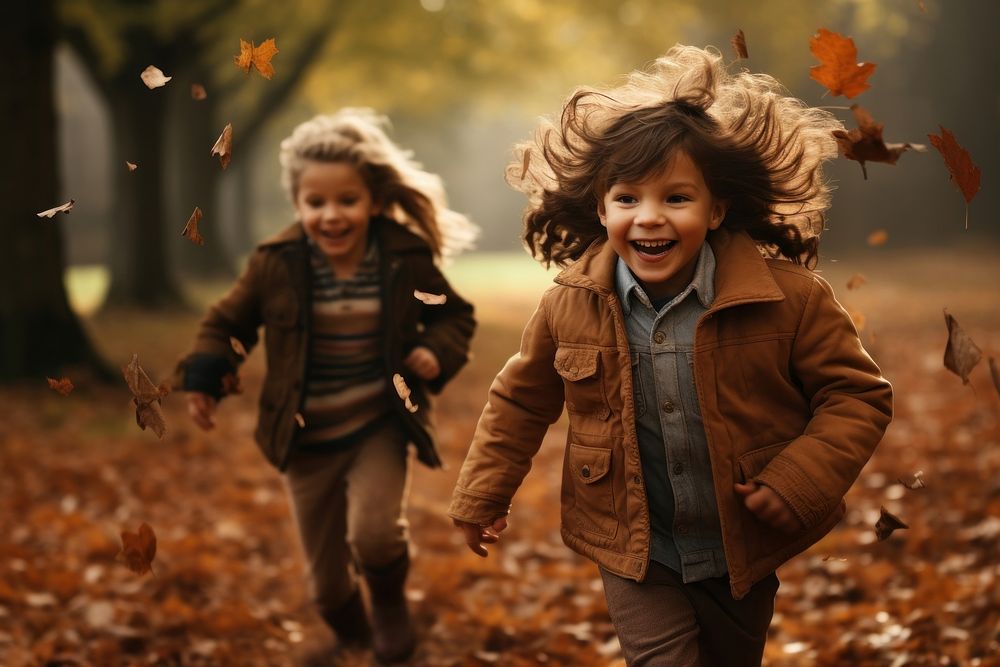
[392,236]
[741,273]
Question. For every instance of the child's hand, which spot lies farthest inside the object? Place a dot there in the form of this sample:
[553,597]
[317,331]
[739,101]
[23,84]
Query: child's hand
[424,363]
[201,407]
[769,507]
[476,536]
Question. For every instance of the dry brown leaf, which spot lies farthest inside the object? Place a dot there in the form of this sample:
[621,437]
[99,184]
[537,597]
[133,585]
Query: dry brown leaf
[224,145]
[964,173]
[914,481]
[995,374]
[131,166]
[430,299]
[146,397]
[198,92]
[961,354]
[237,346]
[153,77]
[64,208]
[190,231]
[257,56]
[139,549]
[878,238]
[404,392]
[887,523]
[62,385]
[839,69]
[739,42]
[864,143]
[856,281]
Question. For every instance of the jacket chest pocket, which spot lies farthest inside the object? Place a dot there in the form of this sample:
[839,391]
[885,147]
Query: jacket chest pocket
[581,374]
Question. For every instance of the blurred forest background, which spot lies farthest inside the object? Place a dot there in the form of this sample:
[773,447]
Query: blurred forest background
[461,80]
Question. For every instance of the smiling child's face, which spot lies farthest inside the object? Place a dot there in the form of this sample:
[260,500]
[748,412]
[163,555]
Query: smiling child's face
[335,205]
[657,226]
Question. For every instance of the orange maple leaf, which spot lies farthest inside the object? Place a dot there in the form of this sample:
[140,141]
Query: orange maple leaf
[257,56]
[139,549]
[864,143]
[190,231]
[839,69]
[964,173]
[62,385]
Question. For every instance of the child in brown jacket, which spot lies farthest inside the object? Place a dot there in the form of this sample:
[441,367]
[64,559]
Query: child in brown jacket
[347,334]
[720,401]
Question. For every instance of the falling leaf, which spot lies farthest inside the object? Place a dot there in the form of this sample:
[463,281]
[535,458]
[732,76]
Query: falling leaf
[887,523]
[856,281]
[404,392]
[224,145]
[257,56]
[864,143]
[190,231]
[146,396]
[62,385]
[231,384]
[878,238]
[839,69]
[300,420]
[237,346]
[739,42]
[65,208]
[914,481]
[964,173]
[430,299]
[922,6]
[153,77]
[995,374]
[961,354]
[131,166]
[198,92]
[139,549]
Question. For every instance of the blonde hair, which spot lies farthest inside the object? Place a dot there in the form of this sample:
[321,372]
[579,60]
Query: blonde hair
[758,148]
[405,192]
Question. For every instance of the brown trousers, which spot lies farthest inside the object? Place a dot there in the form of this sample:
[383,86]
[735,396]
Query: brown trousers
[664,622]
[350,509]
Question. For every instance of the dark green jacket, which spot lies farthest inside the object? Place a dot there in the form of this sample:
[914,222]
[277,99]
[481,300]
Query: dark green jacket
[275,291]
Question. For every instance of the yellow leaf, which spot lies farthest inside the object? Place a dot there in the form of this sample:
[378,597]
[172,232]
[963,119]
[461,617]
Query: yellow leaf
[257,56]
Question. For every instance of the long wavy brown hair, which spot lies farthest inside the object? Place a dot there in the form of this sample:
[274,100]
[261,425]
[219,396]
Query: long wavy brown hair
[759,148]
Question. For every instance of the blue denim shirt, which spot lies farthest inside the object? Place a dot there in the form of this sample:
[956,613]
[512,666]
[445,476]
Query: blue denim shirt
[684,515]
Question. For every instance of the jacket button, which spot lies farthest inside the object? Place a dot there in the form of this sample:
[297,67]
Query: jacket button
[585,471]
[659,337]
[668,406]
[678,468]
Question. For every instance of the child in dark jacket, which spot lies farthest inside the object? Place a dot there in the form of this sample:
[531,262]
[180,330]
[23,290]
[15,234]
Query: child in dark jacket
[360,324]
[720,401]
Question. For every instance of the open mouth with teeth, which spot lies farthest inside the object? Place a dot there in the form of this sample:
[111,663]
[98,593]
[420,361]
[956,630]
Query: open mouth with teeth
[335,234]
[653,248]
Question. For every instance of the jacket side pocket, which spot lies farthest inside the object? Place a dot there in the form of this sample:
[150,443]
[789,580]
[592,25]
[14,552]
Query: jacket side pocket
[594,507]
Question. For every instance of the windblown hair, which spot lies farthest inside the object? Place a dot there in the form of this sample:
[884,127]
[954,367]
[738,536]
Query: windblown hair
[406,193]
[758,148]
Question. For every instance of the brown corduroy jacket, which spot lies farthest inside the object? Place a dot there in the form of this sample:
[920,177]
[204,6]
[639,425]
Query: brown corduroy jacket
[787,394]
[275,291]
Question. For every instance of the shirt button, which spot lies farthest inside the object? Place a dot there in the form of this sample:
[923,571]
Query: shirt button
[668,406]
[678,468]
[659,337]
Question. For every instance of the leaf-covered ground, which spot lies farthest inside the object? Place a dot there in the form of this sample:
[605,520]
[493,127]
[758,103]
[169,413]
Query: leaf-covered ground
[227,585]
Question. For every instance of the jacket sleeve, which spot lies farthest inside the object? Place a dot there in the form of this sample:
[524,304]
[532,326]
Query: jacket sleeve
[524,400]
[448,327]
[236,315]
[851,406]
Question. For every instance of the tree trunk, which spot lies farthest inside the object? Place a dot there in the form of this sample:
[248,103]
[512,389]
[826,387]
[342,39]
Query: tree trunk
[39,333]
[140,270]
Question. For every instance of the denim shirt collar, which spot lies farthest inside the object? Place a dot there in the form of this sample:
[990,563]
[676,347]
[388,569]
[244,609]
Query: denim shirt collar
[702,284]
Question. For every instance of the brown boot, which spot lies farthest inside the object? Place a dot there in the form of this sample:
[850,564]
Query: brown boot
[393,635]
[350,623]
